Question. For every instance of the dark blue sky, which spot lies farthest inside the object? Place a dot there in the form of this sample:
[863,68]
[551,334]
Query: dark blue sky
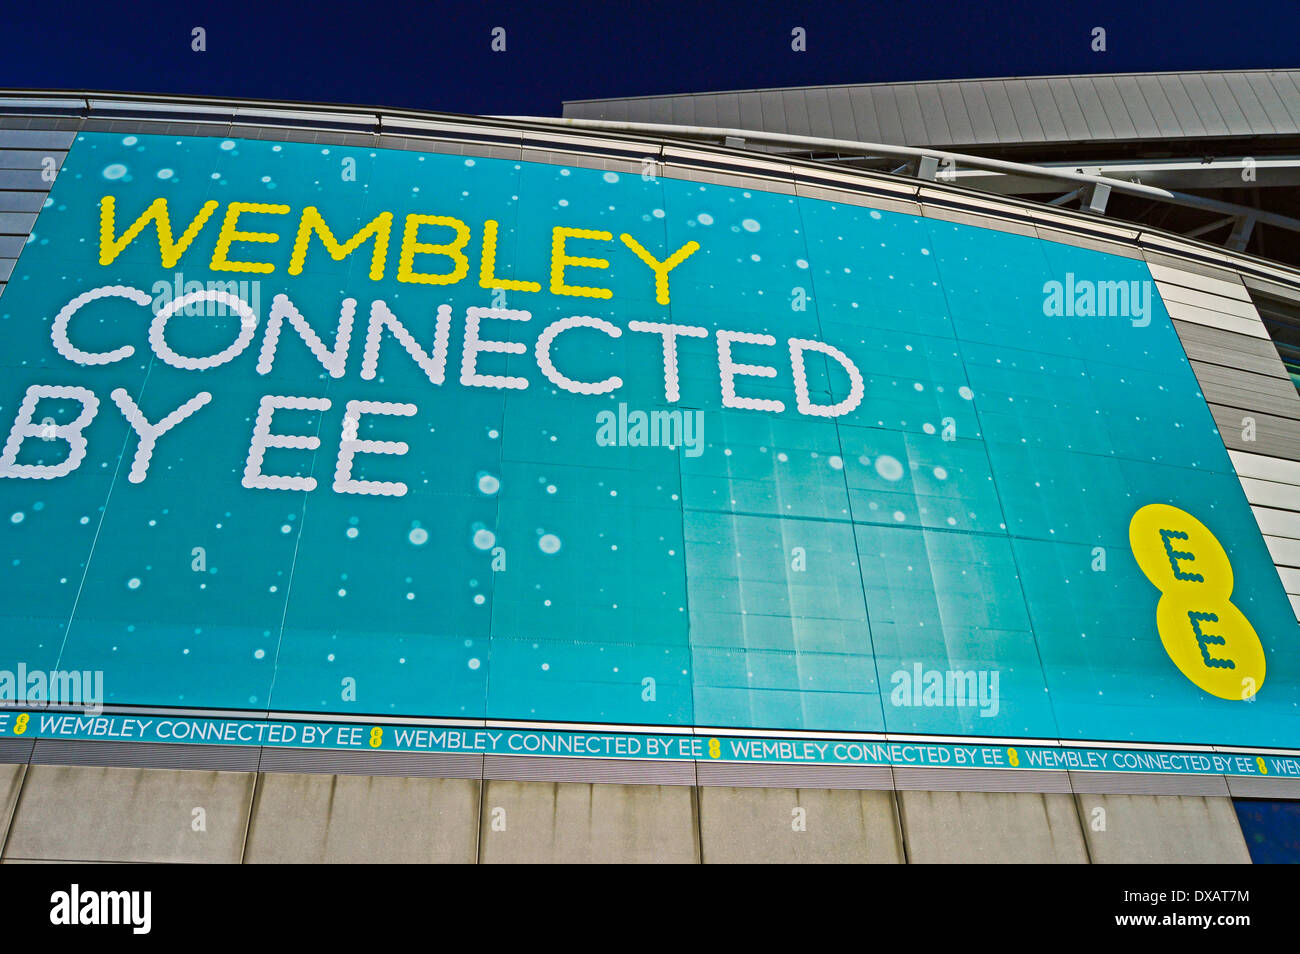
[435,55]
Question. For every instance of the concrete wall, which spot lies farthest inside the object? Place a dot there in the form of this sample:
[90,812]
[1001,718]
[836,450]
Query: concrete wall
[1162,829]
[101,814]
[532,822]
[85,813]
[363,818]
[784,825]
[991,827]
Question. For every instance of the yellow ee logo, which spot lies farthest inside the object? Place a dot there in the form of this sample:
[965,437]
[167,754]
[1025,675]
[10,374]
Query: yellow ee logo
[1210,640]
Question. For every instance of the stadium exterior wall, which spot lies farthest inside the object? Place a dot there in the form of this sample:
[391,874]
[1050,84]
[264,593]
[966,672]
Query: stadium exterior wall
[105,801]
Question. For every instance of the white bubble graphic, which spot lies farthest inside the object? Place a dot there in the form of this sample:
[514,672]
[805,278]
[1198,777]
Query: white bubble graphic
[419,536]
[704,218]
[750,225]
[114,171]
[889,467]
[966,392]
[549,543]
[165,174]
[133,583]
[484,539]
[488,484]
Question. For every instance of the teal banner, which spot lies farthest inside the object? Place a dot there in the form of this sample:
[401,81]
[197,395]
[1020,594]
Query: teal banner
[385,434]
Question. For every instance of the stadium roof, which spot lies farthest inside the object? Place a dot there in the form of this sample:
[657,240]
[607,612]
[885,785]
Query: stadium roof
[958,114]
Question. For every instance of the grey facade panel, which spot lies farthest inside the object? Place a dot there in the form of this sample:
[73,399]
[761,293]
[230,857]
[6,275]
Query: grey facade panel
[1229,105]
[983,128]
[839,106]
[30,158]
[16,223]
[955,114]
[865,121]
[1121,112]
[36,139]
[888,116]
[817,106]
[1184,112]
[1207,110]
[1257,392]
[1026,115]
[21,201]
[1049,113]
[1288,91]
[1274,436]
[915,131]
[1008,126]
[24,179]
[1077,125]
[1270,101]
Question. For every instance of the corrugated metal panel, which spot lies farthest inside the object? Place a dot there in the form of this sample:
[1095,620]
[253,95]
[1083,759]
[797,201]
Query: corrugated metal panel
[1142,783]
[526,768]
[350,762]
[754,775]
[14,751]
[1252,786]
[221,758]
[980,780]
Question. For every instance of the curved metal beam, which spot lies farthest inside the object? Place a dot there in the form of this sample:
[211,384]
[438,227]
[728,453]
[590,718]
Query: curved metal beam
[812,143]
